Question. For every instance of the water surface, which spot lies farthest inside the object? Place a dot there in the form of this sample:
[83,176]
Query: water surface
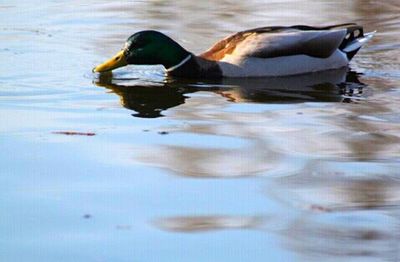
[138,167]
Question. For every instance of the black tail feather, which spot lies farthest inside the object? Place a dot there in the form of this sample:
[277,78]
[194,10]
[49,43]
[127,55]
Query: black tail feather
[353,32]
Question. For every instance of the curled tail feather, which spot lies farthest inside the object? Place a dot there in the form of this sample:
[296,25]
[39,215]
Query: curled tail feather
[354,40]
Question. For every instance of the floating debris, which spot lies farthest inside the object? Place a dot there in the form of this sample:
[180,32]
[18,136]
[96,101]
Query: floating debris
[73,133]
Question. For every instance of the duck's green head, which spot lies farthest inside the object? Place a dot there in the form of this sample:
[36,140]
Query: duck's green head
[146,48]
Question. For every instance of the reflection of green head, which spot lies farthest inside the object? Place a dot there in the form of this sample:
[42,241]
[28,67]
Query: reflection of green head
[153,48]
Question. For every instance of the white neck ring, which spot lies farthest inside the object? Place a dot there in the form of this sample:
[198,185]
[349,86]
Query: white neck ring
[179,65]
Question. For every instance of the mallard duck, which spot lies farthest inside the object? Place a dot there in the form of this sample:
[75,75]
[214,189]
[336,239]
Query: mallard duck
[264,51]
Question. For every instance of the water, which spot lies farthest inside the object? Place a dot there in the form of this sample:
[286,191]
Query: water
[301,168]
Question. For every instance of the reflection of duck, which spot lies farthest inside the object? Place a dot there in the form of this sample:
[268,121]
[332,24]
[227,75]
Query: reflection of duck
[327,86]
[150,99]
[265,51]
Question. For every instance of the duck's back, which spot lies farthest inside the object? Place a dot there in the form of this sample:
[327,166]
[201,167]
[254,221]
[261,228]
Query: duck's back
[278,51]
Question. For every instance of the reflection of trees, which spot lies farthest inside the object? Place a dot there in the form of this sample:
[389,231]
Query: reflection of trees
[341,191]
[337,240]
[343,216]
[189,22]
[383,52]
[207,223]
[371,140]
[214,162]
[381,15]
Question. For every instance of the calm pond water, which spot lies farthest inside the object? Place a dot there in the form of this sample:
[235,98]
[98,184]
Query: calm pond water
[301,168]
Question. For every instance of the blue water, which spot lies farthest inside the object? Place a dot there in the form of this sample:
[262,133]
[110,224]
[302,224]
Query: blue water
[300,168]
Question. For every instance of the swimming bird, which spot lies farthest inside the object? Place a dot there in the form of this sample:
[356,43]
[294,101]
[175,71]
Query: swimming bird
[259,52]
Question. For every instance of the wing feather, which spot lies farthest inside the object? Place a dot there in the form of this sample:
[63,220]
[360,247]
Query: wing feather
[266,42]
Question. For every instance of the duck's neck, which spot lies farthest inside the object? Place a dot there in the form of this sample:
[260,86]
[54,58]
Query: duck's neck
[171,53]
[193,66]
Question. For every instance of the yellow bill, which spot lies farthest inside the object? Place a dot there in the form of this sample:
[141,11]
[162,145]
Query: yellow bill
[118,60]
